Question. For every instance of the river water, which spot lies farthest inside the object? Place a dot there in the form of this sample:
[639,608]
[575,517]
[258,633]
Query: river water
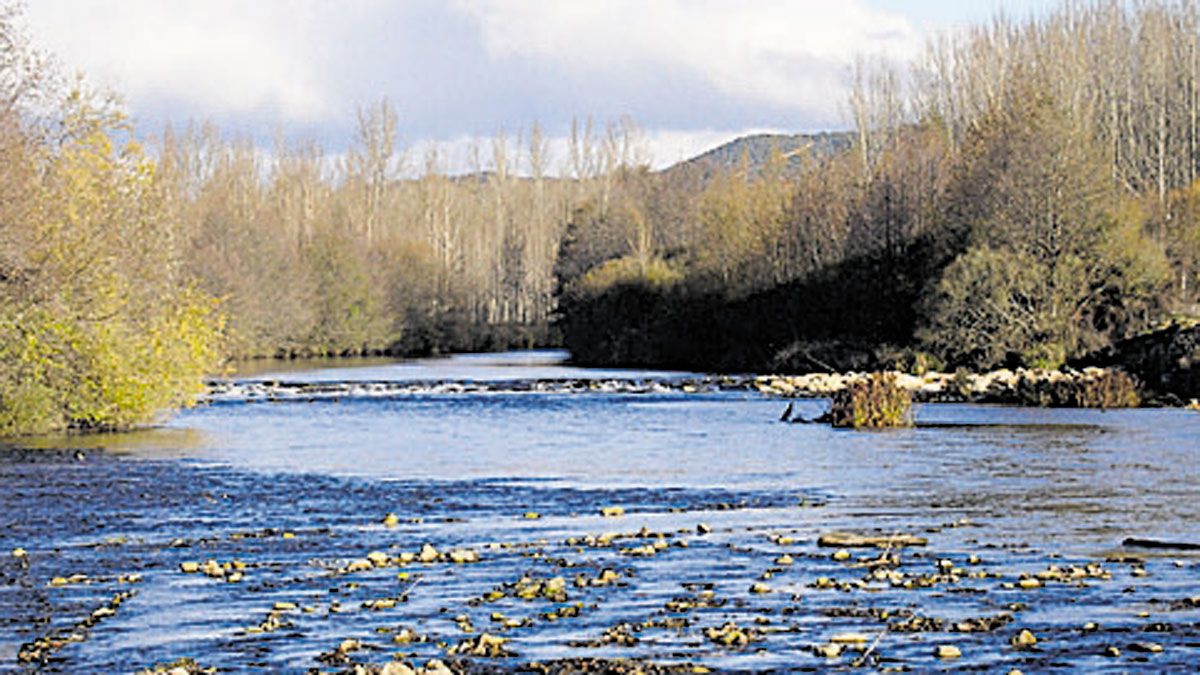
[714,490]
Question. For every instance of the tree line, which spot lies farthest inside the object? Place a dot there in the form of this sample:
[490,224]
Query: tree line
[1024,193]
[381,251]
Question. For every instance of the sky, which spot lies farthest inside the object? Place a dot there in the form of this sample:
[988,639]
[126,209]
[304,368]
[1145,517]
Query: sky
[691,73]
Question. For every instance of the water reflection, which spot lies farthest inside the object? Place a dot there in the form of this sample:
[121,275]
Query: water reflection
[159,441]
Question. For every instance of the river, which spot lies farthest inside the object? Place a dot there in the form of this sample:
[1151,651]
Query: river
[722,506]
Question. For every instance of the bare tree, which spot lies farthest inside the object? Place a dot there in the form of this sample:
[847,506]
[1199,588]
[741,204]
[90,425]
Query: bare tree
[374,161]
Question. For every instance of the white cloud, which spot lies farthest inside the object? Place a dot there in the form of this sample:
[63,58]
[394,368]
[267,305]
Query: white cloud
[213,57]
[694,72]
[787,53]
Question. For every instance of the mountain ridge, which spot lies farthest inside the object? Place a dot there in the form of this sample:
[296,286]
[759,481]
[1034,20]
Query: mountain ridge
[756,148]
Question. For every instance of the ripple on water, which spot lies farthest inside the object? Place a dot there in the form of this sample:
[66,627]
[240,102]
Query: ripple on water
[296,491]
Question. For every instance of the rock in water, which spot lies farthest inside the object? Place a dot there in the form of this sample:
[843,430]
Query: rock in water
[1024,640]
[396,668]
[947,652]
[428,554]
[436,667]
[1146,647]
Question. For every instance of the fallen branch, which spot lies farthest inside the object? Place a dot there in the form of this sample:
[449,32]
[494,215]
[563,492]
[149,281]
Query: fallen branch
[1135,542]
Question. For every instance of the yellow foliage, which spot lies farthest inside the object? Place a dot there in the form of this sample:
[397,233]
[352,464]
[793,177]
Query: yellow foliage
[741,219]
[101,334]
[654,273]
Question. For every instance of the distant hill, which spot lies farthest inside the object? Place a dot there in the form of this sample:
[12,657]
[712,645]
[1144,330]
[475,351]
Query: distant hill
[757,148]
[697,170]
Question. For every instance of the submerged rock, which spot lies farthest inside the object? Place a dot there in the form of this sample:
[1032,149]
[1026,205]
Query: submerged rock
[852,540]
[183,666]
[829,651]
[1146,647]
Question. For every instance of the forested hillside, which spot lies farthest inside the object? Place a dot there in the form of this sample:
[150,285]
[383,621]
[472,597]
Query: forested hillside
[756,150]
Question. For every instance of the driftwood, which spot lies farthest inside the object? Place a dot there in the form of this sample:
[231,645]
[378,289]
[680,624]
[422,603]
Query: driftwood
[852,540]
[791,417]
[1135,542]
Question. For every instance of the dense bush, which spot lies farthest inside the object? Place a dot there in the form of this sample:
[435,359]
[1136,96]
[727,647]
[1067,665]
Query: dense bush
[64,371]
[984,309]
[98,328]
[872,403]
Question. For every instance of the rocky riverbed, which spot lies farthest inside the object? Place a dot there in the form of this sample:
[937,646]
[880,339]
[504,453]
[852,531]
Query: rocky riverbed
[174,562]
[661,530]
[1021,386]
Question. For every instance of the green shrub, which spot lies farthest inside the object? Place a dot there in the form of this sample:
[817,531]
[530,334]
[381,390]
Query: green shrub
[983,308]
[874,403]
